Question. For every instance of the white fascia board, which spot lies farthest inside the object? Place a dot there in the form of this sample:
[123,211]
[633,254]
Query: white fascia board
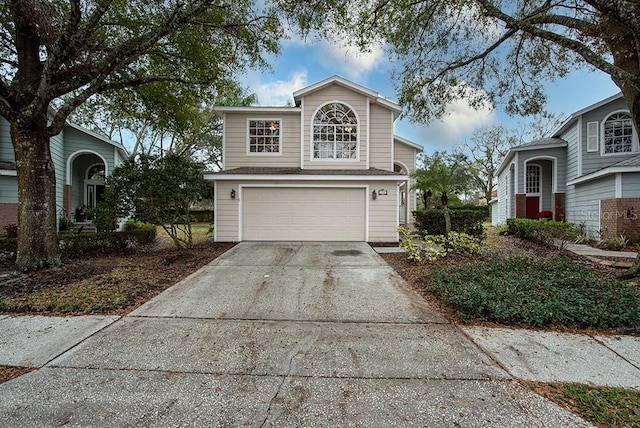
[540,147]
[408,142]
[9,172]
[603,173]
[256,109]
[297,177]
[506,161]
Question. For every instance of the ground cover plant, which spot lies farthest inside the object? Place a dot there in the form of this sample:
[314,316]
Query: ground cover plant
[604,407]
[537,291]
[595,296]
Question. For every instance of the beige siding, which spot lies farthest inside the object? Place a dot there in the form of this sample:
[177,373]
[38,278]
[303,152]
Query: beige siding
[381,138]
[382,212]
[312,102]
[226,212]
[407,156]
[235,150]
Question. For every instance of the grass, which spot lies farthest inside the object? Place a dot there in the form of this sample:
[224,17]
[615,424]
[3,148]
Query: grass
[605,407]
[199,233]
[97,294]
[537,291]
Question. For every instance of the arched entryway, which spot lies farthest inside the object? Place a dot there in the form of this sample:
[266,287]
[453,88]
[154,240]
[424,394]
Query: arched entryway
[85,184]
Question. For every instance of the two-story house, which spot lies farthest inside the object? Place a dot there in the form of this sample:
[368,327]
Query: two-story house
[82,159]
[587,172]
[328,168]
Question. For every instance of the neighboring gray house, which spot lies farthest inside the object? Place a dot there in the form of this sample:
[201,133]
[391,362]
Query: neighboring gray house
[329,168]
[82,159]
[587,173]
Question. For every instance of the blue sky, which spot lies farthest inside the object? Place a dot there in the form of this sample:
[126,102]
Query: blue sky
[304,63]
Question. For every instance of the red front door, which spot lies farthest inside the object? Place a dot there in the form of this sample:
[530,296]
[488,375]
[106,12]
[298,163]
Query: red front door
[533,206]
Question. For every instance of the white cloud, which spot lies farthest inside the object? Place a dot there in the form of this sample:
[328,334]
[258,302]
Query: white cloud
[459,121]
[349,60]
[279,92]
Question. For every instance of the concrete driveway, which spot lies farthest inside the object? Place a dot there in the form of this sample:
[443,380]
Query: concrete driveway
[279,334]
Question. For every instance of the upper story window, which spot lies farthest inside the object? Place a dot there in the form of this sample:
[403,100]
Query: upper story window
[533,179]
[335,132]
[618,133]
[264,136]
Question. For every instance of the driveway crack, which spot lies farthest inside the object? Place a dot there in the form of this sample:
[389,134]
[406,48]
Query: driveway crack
[304,345]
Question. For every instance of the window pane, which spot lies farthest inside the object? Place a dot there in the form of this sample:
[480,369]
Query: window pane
[264,136]
[335,133]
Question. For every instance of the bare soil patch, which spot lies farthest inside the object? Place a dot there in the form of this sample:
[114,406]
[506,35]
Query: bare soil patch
[103,284]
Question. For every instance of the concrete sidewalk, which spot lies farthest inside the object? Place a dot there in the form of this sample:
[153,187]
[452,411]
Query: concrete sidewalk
[290,335]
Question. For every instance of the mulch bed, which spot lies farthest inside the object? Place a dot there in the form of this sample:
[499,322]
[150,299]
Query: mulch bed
[153,269]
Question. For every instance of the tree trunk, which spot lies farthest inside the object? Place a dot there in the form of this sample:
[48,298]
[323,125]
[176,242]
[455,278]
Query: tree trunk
[447,218]
[37,231]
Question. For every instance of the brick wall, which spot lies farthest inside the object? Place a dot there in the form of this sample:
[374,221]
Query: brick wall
[558,207]
[620,217]
[521,205]
[8,215]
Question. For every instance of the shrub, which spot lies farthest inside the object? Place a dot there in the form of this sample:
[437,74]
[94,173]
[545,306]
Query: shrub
[8,245]
[79,244]
[406,242]
[502,229]
[537,291]
[615,243]
[549,233]
[141,233]
[11,230]
[431,222]
[105,217]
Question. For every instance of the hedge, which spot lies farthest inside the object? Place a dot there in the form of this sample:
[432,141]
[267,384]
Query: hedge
[431,222]
[541,231]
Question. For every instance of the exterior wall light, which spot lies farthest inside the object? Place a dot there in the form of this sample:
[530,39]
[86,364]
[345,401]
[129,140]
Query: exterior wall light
[233,193]
[374,195]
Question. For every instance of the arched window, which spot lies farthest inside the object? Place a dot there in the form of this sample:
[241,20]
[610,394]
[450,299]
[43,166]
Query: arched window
[618,133]
[533,179]
[335,132]
[96,172]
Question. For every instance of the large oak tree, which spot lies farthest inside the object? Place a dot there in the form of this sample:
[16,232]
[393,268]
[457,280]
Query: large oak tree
[447,50]
[56,54]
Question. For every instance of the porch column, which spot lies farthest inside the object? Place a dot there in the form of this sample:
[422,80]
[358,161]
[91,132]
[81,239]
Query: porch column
[558,207]
[66,199]
[521,205]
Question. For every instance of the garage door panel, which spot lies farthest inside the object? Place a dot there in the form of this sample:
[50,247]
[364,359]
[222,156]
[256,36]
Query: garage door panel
[326,214]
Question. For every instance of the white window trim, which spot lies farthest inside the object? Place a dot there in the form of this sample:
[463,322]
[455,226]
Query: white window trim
[358,136]
[248,139]
[526,179]
[634,136]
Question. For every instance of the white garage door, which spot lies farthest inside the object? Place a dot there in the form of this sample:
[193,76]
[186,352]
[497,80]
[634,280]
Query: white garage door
[303,214]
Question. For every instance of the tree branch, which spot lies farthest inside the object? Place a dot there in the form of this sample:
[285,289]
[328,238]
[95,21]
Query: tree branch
[580,49]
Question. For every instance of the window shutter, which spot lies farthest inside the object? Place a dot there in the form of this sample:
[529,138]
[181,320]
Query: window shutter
[592,136]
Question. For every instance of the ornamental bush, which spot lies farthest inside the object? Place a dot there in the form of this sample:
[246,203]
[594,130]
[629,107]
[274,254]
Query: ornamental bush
[431,222]
[549,233]
[140,232]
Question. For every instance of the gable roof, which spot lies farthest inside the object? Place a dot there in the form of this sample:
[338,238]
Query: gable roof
[337,80]
[574,116]
[542,143]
